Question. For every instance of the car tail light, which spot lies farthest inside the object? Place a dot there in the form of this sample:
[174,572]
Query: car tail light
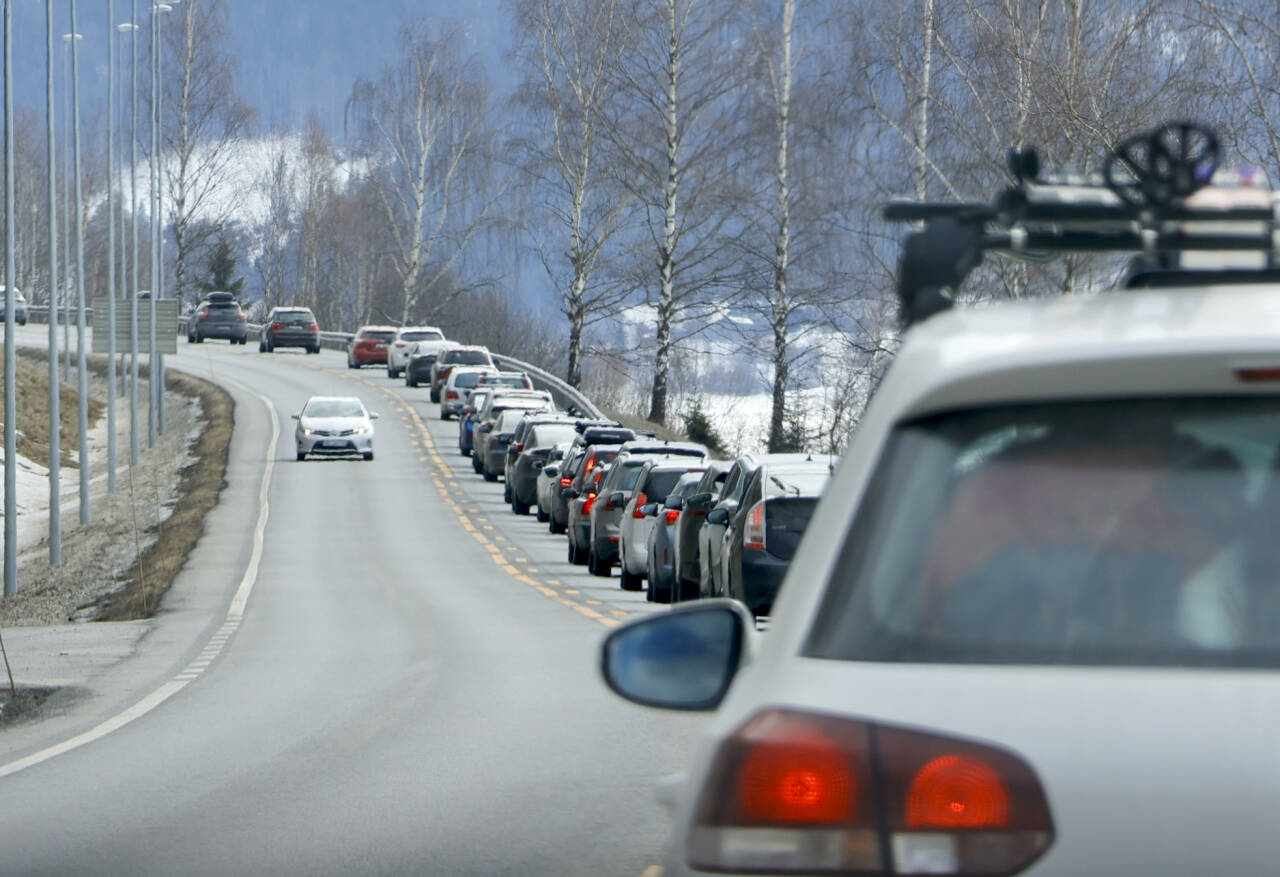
[591,464]
[754,536]
[641,499]
[672,516]
[520,447]
[204,315]
[586,506]
[277,325]
[797,793]
[566,482]
[240,314]
[450,394]
[314,327]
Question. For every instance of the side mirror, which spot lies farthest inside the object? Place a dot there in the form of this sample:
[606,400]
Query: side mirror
[486,427]
[537,464]
[684,659]
[617,499]
[719,517]
[373,415]
[551,471]
[296,416]
[649,509]
[556,454]
[698,501]
[503,437]
[675,503]
[570,493]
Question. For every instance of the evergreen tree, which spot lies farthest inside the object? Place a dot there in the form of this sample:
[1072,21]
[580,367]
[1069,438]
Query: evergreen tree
[699,429]
[222,268]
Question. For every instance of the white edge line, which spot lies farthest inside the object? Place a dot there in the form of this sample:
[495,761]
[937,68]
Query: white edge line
[234,614]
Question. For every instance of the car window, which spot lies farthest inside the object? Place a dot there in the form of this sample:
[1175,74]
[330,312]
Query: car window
[333,408]
[295,317]
[1128,532]
[661,483]
[421,335]
[795,482]
[467,380]
[467,357]
[551,434]
[377,335]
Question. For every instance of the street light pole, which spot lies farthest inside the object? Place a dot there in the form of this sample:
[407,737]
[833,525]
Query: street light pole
[10,299]
[82,366]
[111,246]
[55,417]
[157,263]
[66,202]
[132,287]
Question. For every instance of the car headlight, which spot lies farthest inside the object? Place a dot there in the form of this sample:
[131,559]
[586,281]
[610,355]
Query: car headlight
[364,430]
[306,430]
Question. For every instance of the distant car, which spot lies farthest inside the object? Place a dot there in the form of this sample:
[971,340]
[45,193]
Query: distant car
[369,345]
[516,380]
[422,356]
[603,447]
[763,534]
[549,481]
[400,347]
[329,425]
[657,480]
[661,585]
[467,420]
[693,514]
[582,500]
[493,444]
[462,380]
[290,327]
[19,305]
[218,315]
[452,356]
[529,451]
[485,460]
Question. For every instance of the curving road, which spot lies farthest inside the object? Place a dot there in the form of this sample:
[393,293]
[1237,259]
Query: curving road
[411,689]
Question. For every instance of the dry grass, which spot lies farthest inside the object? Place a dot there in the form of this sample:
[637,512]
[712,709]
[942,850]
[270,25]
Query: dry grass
[198,490]
[33,409]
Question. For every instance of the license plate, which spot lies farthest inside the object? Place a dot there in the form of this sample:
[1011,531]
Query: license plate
[380,347]
[333,444]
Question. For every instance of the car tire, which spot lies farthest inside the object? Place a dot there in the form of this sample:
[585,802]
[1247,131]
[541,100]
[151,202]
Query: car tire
[520,508]
[629,581]
[541,516]
[410,380]
[351,363]
[435,395]
[315,349]
[556,527]
[271,348]
[490,476]
[301,456]
[262,347]
[573,553]
[445,415]
[598,567]
[506,492]
[368,455]
[475,464]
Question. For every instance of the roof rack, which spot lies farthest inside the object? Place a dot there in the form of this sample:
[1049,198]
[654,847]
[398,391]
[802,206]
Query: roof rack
[1144,200]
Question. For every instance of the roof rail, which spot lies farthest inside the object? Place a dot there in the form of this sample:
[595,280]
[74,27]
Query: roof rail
[1141,201]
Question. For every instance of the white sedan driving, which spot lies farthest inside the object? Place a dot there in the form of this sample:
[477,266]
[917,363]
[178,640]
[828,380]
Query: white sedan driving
[334,425]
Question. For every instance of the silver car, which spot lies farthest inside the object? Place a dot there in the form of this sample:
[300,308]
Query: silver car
[334,425]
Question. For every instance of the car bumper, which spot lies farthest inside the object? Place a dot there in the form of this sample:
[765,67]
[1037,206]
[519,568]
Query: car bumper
[292,340]
[524,486]
[451,406]
[239,333]
[495,460]
[762,576]
[321,444]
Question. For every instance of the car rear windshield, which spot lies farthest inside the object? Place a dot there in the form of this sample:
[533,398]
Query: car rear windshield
[375,335]
[468,357]
[422,335]
[291,317]
[223,306]
[662,483]
[1137,532]
[467,380]
[796,482]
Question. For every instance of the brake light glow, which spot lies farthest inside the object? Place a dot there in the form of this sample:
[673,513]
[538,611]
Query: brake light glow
[641,499]
[450,394]
[798,793]
[204,315]
[672,516]
[314,326]
[586,506]
[754,535]
[277,325]
[566,482]
[520,446]
[591,464]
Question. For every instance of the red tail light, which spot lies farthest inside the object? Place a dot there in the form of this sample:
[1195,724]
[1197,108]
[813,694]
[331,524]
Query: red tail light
[795,793]
[520,446]
[641,499]
[313,327]
[586,506]
[672,516]
[591,464]
[754,535]
[204,315]
[450,394]
[566,482]
[277,325]
[240,314]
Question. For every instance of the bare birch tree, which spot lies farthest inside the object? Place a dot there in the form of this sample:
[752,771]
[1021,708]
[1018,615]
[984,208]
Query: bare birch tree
[205,122]
[423,125]
[570,53]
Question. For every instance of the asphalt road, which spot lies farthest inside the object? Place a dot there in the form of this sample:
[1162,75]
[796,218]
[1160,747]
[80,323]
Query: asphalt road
[412,688]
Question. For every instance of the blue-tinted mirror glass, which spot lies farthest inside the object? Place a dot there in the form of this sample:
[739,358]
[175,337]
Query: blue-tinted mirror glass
[683,660]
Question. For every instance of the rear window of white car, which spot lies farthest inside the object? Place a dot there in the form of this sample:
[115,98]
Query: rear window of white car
[421,335]
[1136,532]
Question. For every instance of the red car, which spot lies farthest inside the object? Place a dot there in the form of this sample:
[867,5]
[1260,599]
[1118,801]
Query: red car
[369,345]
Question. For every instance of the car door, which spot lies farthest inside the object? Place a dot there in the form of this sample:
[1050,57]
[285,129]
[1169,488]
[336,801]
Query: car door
[711,538]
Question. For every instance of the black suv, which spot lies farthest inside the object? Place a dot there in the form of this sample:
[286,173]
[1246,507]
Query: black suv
[290,327]
[218,316]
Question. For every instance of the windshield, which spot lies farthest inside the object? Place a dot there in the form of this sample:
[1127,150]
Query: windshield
[374,335]
[662,483]
[466,380]
[1135,532]
[295,317]
[467,357]
[796,482]
[421,335]
[333,408]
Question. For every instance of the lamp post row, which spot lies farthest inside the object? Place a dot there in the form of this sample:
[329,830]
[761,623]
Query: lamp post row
[129,276]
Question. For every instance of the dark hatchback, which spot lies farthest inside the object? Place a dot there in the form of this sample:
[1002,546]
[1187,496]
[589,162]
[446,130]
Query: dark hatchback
[765,530]
[218,316]
[290,327]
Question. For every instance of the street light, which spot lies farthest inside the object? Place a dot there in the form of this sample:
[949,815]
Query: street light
[67,274]
[111,248]
[55,419]
[156,365]
[82,365]
[132,287]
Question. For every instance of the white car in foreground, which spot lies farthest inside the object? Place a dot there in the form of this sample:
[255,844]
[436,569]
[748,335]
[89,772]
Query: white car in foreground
[1034,624]
[334,425]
